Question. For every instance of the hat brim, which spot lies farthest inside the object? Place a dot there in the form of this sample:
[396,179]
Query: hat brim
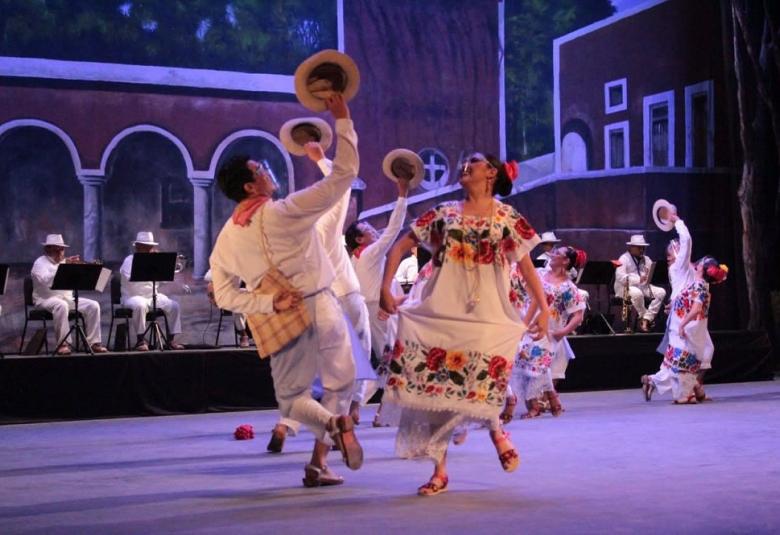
[638,244]
[409,156]
[65,245]
[285,134]
[550,241]
[663,224]
[145,242]
[315,100]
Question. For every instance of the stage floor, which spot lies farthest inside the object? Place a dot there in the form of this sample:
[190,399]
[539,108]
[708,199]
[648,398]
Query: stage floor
[612,463]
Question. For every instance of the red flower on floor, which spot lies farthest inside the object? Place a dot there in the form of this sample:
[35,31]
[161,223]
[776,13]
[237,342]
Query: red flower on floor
[523,228]
[244,432]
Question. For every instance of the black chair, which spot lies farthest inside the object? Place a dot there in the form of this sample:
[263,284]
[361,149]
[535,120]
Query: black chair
[222,314]
[121,312]
[34,313]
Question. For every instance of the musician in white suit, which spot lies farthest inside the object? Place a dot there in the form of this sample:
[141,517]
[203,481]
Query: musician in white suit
[635,270]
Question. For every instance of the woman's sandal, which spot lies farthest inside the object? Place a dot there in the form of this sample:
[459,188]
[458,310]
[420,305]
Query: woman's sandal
[555,403]
[435,485]
[701,395]
[534,410]
[320,477]
[509,410]
[509,459]
[648,387]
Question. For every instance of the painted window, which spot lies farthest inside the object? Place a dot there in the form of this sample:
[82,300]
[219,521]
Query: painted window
[615,96]
[616,145]
[658,137]
[699,125]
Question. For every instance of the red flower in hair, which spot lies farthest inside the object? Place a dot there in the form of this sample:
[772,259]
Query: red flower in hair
[582,258]
[512,170]
[717,274]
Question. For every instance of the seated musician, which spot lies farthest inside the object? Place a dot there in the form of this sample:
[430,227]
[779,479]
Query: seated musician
[635,271]
[138,296]
[60,302]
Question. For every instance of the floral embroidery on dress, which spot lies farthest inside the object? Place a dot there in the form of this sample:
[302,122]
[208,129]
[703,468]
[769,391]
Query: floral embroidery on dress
[471,240]
[534,357]
[562,300]
[450,374]
[518,293]
[680,360]
[696,292]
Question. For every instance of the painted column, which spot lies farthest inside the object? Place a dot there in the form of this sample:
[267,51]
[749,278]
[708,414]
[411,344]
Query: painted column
[93,216]
[201,227]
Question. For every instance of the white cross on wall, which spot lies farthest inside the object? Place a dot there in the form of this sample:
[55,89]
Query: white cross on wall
[431,167]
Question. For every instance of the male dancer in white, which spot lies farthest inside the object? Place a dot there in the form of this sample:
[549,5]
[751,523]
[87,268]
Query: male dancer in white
[346,288]
[284,231]
[369,251]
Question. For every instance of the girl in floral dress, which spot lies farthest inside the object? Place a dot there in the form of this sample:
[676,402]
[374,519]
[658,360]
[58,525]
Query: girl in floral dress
[690,348]
[533,374]
[453,356]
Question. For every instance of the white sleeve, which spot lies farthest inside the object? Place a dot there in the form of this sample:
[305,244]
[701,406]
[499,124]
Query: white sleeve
[380,247]
[301,209]
[683,257]
[41,275]
[235,299]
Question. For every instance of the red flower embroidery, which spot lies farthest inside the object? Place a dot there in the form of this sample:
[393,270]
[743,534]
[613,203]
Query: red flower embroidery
[471,395]
[486,253]
[425,219]
[497,367]
[523,228]
[507,245]
[398,348]
[392,381]
[435,358]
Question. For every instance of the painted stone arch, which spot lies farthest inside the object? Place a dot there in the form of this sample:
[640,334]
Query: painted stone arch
[147,171]
[576,147]
[39,189]
[258,145]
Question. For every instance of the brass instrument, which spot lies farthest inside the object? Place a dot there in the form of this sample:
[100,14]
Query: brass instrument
[625,310]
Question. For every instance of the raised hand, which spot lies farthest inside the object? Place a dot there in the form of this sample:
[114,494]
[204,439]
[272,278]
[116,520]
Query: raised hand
[337,106]
[314,151]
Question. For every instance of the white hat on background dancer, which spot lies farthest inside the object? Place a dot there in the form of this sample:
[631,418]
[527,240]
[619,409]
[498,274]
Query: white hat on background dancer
[145,237]
[54,240]
[323,74]
[662,209]
[549,237]
[637,240]
[295,133]
[404,163]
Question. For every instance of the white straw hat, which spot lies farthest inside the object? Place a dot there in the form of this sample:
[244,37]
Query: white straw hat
[638,240]
[394,162]
[55,240]
[145,237]
[549,237]
[662,205]
[295,133]
[325,73]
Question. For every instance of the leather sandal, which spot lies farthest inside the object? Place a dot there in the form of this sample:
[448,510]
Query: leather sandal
[315,476]
[701,395]
[354,412]
[343,435]
[508,413]
[556,409]
[648,387]
[690,400]
[64,350]
[276,443]
[534,410]
[509,459]
[98,348]
[435,485]
[141,346]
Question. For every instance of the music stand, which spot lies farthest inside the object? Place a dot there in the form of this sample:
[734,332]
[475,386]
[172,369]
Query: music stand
[154,268]
[539,262]
[597,272]
[5,269]
[76,277]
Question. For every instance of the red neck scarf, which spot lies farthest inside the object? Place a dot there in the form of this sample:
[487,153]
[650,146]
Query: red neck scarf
[242,214]
[357,251]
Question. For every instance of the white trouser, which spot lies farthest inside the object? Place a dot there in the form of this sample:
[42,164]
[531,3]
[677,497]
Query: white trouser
[354,306]
[239,321]
[324,350]
[638,300]
[59,309]
[142,305]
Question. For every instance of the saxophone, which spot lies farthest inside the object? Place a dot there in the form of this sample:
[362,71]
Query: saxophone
[625,310]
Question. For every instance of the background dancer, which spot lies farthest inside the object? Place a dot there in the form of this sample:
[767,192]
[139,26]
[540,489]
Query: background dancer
[690,349]
[285,228]
[453,357]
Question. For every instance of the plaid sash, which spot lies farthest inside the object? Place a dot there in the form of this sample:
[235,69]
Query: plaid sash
[272,332]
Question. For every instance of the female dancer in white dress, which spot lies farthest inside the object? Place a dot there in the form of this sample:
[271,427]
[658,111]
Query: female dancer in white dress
[690,348]
[453,357]
[536,359]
